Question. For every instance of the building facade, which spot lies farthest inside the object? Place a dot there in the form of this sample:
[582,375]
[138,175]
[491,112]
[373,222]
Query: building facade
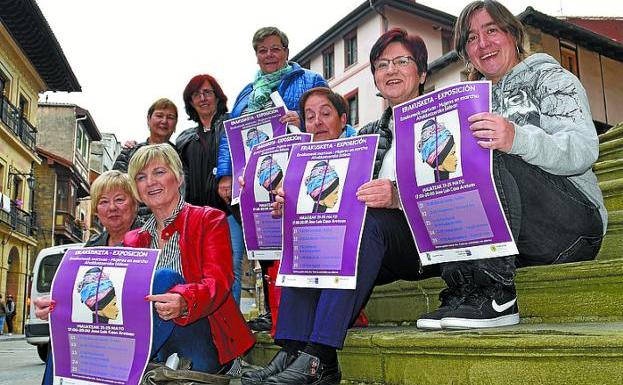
[65,170]
[31,62]
[341,54]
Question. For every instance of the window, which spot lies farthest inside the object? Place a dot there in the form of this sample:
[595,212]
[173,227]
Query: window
[23,106]
[446,41]
[350,49]
[569,57]
[352,98]
[82,142]
[16,189]
[4,84]
[328,63]
[1,179]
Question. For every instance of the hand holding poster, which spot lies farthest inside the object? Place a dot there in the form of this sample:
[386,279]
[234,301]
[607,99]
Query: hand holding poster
[262,177]
[101,325]
[445,178]
[323,220]
[247,131]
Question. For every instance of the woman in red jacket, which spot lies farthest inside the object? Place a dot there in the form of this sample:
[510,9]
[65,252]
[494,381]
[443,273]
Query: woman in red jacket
[196,315]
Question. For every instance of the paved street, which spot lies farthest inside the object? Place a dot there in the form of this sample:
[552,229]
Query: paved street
[19,363]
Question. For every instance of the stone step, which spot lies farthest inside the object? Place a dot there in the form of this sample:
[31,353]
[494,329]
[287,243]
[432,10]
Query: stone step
[609,170]
[575,292]
[530,354]
[612,245]
[613,133]
[612,191]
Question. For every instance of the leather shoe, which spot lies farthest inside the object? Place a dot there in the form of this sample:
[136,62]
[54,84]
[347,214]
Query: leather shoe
[280,361]
[307,370]
[263,323]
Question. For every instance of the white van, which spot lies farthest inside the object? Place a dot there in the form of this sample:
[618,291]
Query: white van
[38,331]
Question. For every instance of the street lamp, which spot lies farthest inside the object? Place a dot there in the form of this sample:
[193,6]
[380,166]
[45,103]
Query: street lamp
[30,176]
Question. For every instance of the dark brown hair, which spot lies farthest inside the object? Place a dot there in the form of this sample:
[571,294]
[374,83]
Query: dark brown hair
[336,100]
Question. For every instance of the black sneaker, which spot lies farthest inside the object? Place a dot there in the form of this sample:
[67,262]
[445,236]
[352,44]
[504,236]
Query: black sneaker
[485,307]
[450,299]
[279,362]
[263,323]
[308,370]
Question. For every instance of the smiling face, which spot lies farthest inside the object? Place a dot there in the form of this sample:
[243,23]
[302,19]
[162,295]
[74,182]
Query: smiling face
[322,119]
[492,51]
[157,186]
[398,84]
[271,54]
[116,210]
[204,100]
[450,162]
[161,124]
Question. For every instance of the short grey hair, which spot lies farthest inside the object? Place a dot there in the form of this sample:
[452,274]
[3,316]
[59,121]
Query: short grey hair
[264,32]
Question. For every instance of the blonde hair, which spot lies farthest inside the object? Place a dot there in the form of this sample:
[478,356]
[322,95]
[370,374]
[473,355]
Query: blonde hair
[146,154]
[109,181]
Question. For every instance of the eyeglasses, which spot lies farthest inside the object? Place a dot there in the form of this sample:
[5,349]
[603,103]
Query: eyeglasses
[205,93]
[398,61]
[275,50]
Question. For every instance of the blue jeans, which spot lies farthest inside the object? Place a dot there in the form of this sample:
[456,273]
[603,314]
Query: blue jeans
[551,220]
[2,324]
[385,255]
[237,247]
[193,341]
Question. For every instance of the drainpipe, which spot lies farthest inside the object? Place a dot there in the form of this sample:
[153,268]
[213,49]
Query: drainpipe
[378,9]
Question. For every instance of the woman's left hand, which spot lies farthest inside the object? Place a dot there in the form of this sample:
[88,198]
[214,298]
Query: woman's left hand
[291,117]
[379,193]
[168,305]
[492,131]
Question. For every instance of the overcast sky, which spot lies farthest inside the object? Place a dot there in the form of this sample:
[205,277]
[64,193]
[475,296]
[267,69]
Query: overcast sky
[128,53]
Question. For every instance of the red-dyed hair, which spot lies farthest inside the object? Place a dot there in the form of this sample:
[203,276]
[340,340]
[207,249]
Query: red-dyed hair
[194,85]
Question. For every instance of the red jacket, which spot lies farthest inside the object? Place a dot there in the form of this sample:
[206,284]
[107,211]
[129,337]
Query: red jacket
[207,268]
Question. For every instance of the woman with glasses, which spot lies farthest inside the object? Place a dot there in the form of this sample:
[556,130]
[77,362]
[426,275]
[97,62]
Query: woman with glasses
[312,323]
[288,78]
[206,104]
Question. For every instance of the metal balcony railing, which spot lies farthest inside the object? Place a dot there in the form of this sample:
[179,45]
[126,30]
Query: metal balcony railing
[19,125]
[20,220]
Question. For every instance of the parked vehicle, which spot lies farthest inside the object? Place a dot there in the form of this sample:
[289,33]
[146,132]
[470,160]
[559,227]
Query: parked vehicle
[38,331]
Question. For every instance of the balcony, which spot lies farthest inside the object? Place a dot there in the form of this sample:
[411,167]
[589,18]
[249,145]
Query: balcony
[66,226]
[12,117]
[19,220]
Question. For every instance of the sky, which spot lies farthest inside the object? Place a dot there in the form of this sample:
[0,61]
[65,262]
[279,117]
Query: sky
[128,53]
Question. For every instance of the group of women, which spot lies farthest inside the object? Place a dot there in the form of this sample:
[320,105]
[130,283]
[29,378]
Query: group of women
[542,170]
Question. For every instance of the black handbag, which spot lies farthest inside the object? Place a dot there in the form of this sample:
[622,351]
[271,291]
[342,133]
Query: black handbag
[159,374]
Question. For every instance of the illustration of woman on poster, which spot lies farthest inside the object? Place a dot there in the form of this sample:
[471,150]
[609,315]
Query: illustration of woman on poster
[438,149]
[323,186]
[255,136]
[98,294]
[270,176]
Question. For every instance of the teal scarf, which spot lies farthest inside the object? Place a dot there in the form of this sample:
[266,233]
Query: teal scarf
[263,86]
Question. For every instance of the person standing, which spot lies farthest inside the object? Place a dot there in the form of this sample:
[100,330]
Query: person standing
[198,147]
[2,315]
[10,313]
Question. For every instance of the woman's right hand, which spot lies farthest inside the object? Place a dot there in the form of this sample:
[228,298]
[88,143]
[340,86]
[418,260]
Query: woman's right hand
[241,182]
[278,203]
[43,307]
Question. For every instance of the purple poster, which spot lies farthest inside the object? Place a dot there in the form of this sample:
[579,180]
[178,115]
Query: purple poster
[101,325]
[245,132]
[263,175]
[323,219]
[445,178]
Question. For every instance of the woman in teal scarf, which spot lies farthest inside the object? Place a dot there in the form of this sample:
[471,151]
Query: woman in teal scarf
[276,73]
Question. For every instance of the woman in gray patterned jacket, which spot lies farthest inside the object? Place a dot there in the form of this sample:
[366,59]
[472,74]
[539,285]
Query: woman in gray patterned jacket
[544,144]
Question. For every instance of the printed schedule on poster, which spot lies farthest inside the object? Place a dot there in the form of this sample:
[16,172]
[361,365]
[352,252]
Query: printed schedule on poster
[101,325]
[323,219]
[445,178]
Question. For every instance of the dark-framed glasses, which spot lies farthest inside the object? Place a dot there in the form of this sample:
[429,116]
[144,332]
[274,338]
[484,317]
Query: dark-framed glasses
[275,50]
[205,93]
[398,61]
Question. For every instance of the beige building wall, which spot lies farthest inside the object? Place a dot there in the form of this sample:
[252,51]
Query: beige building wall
[612,71]
[589,67]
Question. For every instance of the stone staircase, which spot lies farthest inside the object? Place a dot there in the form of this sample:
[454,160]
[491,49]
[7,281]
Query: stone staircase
[571,329]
